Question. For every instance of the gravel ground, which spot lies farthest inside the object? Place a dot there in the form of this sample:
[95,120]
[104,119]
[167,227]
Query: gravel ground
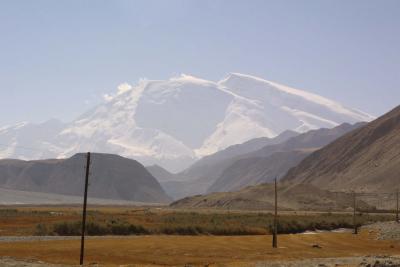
[10,262]
[386,230]
[367,261]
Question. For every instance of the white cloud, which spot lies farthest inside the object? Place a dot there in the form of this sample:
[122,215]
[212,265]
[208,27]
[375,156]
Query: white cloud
[107,97]
[122,88]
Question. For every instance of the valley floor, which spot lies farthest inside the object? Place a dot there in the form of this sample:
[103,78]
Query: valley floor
[344,249]
[22,245]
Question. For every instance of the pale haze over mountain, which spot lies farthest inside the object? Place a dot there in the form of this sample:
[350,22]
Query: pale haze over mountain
[365,159]
[174,122]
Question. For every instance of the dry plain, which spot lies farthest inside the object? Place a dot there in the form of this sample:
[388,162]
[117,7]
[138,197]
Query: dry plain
[174,250]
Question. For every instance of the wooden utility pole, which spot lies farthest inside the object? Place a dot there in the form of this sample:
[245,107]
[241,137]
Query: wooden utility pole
[84,208]
[397,205]
[275,233]
[355,231]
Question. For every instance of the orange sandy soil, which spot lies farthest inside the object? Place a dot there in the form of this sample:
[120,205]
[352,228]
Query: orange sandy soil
[201,250]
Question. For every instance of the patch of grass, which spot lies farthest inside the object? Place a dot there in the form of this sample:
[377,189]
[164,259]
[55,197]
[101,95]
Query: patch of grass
[41,229]
[93,229]
[258,223]
[131,221]
[66,229]
[8,212]
[181,223]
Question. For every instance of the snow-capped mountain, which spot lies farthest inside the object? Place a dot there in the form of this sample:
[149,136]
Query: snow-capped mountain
[17,141]
[173,122]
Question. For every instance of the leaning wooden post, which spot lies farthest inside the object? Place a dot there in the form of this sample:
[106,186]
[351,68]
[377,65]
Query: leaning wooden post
[397,205]
[84,209]
[355,231]
[275,233]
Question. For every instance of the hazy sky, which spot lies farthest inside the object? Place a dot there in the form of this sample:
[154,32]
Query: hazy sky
[57,58]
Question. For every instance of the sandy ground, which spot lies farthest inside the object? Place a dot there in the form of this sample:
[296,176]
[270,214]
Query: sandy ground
[366,261]
[378,245]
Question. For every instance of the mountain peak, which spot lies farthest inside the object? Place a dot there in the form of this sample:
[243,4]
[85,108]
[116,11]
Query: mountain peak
[175,121]
[255,87]
[191,79]
[236,76]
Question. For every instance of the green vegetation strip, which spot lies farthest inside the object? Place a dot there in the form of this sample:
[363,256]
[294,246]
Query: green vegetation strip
[192,223]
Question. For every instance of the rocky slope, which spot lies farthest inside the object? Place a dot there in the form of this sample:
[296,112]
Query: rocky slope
[273,161]
[364,160]
[161,174]
[253,171]
[261,197]
[198,178]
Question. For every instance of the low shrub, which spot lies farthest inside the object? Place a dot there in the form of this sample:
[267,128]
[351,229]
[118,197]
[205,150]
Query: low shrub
[41,230]
[94,228]
[192,223]
[8,212]
[67,228]
[127,229]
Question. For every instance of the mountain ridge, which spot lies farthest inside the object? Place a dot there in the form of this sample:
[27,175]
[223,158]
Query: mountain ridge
[364,160]
[111,177]
[274,160]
